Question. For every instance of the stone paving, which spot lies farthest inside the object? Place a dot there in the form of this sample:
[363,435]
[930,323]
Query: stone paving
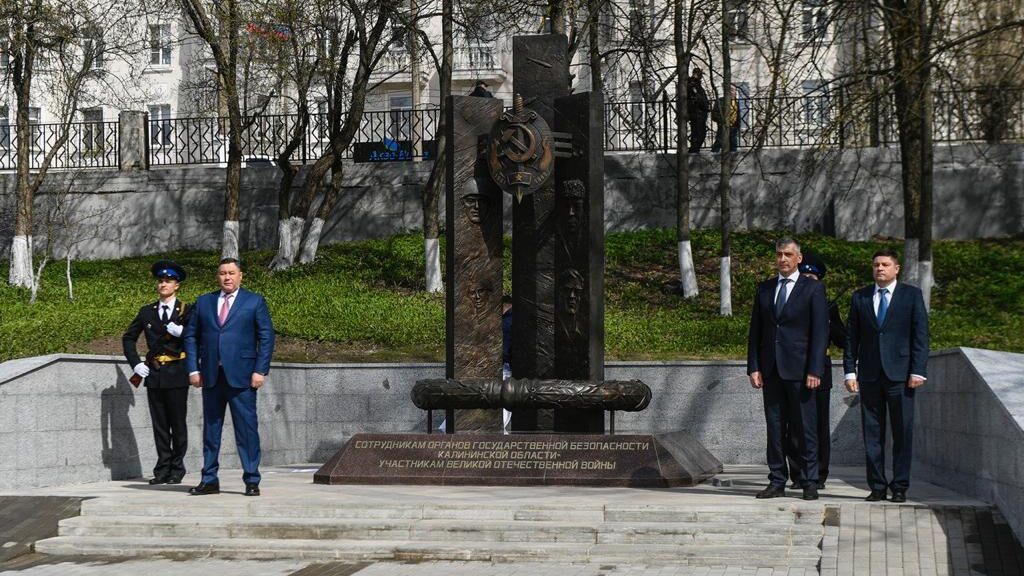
[937,532]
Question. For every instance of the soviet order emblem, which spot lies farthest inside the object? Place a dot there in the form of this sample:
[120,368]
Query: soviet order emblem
[520,153]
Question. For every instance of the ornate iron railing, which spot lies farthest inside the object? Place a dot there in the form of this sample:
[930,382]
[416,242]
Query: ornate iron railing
[823,120]
[88,145]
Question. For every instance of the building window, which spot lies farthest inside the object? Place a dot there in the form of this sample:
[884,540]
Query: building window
[35,116]
[738,20]
[92,130]
[93,47]
[816,106]
[160,125]
[160,44]
[815,20]
[5,127]
[399,117]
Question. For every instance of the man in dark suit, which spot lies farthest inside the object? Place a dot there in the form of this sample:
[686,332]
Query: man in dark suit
[163,370]
[886,360]
[814,268]
[228,346]
[786,360]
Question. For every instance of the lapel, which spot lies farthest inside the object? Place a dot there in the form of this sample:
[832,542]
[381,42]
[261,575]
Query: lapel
[868,305]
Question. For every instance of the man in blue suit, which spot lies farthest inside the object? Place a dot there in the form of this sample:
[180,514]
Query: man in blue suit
[786,360]
[228,346]
[886,360]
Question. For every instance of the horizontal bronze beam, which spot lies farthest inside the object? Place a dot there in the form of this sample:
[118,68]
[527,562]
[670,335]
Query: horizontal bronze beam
[441,393]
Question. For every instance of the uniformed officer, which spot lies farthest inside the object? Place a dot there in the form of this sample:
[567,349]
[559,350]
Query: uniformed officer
[163,370]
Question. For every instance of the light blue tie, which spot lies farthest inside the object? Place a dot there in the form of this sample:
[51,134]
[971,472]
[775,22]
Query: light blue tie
[883,305]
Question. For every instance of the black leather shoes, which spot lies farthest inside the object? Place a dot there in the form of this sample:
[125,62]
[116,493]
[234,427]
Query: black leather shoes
[155,481]
[203,489]
[772,492]
[876,496]
[898,496]
[174,480]
[252,490]
[810,493]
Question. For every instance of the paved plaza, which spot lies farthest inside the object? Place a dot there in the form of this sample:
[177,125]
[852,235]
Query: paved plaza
[937,532]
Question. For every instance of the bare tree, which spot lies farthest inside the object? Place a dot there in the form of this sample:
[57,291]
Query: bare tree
[727,157]
[55,48]
[220,26]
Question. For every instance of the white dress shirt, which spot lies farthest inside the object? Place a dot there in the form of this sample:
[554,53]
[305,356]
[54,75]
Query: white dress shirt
[789,285]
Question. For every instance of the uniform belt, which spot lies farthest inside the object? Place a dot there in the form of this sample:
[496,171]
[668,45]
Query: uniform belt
[168,358]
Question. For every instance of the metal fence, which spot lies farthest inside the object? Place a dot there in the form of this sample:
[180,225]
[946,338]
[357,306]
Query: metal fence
[88,145]
[204,140]
[824,120]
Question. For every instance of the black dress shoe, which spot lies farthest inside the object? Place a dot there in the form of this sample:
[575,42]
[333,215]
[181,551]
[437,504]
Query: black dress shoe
[174,480]
[810,493]
[772,492]
[898,496]
[252,490]
[155,481]
[876,496]
[203,489]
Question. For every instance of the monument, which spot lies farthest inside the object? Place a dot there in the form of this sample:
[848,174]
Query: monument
[546,152]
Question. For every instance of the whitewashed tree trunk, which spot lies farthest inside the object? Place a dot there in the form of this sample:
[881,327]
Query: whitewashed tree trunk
[20,274]
[927,280]
[229,244]
[67,275]
[432,255]
[289,237]
[725,289]
[312,242]
[687,274]
[36,280]
[909,271]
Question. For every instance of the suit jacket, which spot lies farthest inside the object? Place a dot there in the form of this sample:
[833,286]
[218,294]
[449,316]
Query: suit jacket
[242,346]
[158,341]
[796,342]
[897,348]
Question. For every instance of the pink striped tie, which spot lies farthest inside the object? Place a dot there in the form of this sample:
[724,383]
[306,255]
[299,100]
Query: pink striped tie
[224,309]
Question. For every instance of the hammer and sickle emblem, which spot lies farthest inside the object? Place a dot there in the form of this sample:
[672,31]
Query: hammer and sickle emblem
[519,143]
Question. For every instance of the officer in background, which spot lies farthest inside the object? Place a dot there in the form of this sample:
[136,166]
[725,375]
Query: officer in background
[163,370]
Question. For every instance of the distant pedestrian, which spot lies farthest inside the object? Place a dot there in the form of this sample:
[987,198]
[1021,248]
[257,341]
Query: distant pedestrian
[163,370]
[886,361]
[698,106]
[732,121]
[480,90]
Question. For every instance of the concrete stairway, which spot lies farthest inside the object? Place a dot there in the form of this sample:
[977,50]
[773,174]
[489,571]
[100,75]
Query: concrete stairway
[780,535]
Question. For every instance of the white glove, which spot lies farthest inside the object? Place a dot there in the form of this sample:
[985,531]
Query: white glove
[141,369]
[174,329]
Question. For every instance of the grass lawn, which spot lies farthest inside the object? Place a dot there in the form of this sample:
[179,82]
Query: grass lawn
[364,301]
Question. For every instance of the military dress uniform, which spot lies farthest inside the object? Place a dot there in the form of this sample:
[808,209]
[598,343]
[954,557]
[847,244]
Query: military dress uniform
[167,383]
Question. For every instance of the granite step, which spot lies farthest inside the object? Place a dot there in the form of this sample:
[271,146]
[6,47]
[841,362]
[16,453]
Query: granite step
[362,550]
[212,506]
[444,530]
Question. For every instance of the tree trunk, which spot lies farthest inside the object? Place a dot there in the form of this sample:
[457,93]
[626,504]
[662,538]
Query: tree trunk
[594,46]
[67,275]
[312,242]
[724,187]
[556,14]
[687,274]
[232,184]
[908,29]
[285,256]
[435,184]
[21,273]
